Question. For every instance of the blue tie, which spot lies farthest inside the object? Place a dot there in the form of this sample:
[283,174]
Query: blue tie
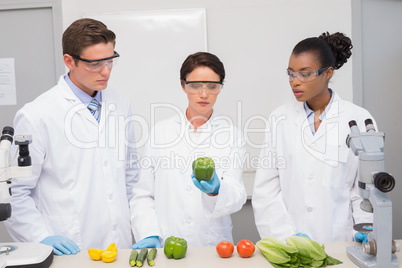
[94,108]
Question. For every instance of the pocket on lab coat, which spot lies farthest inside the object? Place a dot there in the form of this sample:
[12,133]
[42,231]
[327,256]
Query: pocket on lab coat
[67,226]
[336,153]
[336,167]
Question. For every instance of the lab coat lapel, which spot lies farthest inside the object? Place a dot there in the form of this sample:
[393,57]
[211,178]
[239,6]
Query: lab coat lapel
[330,121]
[302,124]
[181,124]
[76,106]
[105,109]
[207,130]
[181,128]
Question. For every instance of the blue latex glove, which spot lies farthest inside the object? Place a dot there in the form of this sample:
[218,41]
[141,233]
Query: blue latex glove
[149,242]
[301,234]
[208,187]
[61,245]
[361,237]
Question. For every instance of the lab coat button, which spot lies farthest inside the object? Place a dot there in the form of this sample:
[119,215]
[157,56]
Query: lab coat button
[188,222]
[188,189]
[309,209]
[105,164]
[114,228]
[310,178]
[110,197]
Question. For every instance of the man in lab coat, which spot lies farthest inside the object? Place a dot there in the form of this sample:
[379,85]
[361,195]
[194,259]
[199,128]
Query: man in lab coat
[83,165]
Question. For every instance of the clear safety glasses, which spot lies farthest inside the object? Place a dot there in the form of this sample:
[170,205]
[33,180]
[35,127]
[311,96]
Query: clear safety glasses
[196,87]
[98,65]
[305,76]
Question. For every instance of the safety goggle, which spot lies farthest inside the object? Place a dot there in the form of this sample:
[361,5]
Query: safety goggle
[196,87]
[305,76]
[98,65]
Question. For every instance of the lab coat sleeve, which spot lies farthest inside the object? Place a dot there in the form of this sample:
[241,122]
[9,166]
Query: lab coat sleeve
[132,157]
[144,220]
[270,212]
[26,223]
[232,194]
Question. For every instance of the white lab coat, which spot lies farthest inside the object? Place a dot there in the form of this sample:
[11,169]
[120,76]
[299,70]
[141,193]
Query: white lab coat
[312,185]
[166,202]
[81,182]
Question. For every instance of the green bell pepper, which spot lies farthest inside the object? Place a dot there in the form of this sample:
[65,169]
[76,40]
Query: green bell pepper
[204,168]
[175,247]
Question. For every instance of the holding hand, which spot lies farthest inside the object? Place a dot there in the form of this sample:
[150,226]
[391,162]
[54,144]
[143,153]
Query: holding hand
[208,187]
[149,242]
[61,245]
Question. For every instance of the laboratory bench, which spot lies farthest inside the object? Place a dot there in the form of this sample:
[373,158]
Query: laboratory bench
[200,257]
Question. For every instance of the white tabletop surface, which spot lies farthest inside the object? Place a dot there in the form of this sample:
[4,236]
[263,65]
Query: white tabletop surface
[199,257]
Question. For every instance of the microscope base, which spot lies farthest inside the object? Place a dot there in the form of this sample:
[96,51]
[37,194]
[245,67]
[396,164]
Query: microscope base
[361,259]
[22,255]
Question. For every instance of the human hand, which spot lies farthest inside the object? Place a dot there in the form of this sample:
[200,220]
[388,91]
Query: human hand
[301,234]
[361,237]
[61,245]
[149,242]
[208,187]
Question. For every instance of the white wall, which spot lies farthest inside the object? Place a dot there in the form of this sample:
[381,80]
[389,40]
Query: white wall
[382,58]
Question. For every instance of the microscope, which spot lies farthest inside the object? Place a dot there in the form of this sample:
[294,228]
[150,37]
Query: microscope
[17,254]
[374,184]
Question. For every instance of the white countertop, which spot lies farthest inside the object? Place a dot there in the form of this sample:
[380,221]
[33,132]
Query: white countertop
[199,257]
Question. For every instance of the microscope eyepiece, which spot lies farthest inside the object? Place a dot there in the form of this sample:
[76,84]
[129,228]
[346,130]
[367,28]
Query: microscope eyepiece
[7,134]
[369,124]
[352,123]
[384,182]
[368,121]
[8,130]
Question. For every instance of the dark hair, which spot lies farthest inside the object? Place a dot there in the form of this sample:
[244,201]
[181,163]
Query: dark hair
[83,33]
[202,59]
[330,49]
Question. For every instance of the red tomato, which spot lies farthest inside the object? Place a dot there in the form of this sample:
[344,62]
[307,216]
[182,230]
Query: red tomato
[225,249]
[245,248]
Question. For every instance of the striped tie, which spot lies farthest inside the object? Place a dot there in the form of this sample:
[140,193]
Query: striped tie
[94,108]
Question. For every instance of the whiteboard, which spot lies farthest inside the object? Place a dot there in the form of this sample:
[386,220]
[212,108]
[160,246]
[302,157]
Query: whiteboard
[254,41]
[152,47]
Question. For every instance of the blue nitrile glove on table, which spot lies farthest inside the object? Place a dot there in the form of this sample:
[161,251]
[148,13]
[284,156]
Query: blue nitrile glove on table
[149,242]
[61,245]
[208,187]
[301,234]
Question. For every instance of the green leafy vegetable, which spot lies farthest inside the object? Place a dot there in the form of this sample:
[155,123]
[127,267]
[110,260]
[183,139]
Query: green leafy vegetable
[296,252]
[273,253]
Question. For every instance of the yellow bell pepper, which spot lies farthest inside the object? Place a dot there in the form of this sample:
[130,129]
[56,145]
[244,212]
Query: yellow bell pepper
[112,247]
[109,256]
[95,253]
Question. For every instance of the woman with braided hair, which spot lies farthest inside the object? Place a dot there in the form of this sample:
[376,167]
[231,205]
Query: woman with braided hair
[314,191]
